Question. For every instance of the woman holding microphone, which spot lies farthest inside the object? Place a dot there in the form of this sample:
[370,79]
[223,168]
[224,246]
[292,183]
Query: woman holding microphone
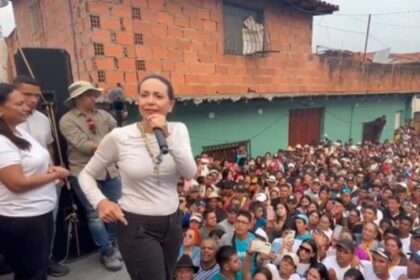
[149,232]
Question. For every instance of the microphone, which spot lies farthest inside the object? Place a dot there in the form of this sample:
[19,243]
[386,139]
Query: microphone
[160,137]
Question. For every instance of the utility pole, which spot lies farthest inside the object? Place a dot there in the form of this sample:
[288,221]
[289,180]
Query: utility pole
[367,38]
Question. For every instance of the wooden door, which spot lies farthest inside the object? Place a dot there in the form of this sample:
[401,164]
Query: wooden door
[305,126]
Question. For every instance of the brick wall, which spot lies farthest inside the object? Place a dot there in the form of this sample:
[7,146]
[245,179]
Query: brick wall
[183,40]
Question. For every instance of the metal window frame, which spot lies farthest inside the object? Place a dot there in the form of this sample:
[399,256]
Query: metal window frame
[135,13]
[260,19]
[95,21]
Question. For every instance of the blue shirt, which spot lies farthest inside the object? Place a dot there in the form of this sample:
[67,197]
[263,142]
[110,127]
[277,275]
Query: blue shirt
[195,254]
[241,248]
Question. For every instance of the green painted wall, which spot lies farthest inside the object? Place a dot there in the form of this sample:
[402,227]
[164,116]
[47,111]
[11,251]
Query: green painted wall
[267,130]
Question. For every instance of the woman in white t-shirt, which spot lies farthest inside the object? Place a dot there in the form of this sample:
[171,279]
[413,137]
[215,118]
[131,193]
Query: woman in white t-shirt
[150,222]
[27,191]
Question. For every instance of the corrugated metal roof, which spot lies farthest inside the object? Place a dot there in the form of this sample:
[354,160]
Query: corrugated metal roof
[314,7]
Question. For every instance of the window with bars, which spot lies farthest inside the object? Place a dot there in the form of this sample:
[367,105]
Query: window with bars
[226,151]
[99,48]
[244,32]
[116,63]
[101,76]
[95,21]
[125,52]
[138,38]
[135,13]
[122,27]
[140,65]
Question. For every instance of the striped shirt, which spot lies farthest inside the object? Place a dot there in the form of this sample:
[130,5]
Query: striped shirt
[203,274]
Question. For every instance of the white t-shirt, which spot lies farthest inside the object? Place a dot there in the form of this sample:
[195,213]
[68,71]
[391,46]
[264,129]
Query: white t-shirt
[276,275]
[331,262]
[34,161]
[143,192]
[370,274]
[406,245]
[38,126]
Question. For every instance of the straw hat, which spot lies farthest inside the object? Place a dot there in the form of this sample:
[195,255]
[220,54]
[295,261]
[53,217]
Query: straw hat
[78,88]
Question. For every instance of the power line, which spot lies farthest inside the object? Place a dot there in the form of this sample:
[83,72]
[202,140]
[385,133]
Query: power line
[339,29]
[387,13]
[375,22]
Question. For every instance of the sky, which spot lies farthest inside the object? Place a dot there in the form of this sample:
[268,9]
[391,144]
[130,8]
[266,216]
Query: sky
[395,24]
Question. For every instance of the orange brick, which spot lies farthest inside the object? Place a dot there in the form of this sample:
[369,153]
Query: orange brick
[143,51]
[101,36]
[110,24]
[126,64]
[175,32]
[168,66]
[201,68]
[130,77]
[165,18]
[113,50]
[209,25]
[176,55]
[159,52]
[149,16]
[211,4]
[204,58]
[156,5]
[98,8]
[191,78]
[180,67]
[104,63]
[141,27]
[216,15]
[177,78]
[114,77]
[197,46]
[190,12]
[196,24]
[210,47]
[203,14]
[181,21]
[191,34]
[190,57]
[121,11]
[182,44]
[159,30]
[125,38]
[131,89]
[173,8]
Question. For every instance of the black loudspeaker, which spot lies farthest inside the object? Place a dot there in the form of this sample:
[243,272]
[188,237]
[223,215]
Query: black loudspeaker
[52,69]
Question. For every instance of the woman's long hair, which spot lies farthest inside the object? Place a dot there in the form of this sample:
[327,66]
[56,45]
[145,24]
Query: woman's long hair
[314,247]
[5,91]
[322,270]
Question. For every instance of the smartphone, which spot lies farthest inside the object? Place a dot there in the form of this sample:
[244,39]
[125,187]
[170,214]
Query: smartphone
[260,246]
[337,231]
[275,248]
[289,236]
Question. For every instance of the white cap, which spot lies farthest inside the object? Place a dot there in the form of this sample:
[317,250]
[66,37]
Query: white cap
[261,197]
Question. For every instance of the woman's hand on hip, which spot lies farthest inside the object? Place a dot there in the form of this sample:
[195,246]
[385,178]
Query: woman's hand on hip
[110,212]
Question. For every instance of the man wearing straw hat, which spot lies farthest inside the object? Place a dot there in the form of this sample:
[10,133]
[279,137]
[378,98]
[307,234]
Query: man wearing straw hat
[84,126]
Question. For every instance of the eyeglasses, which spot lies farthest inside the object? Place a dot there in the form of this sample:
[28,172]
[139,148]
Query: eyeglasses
[188,235]
[242,222]
[306,250]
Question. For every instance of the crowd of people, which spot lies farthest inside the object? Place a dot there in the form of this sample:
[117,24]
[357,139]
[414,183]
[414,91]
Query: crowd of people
[329,211]
[326,212]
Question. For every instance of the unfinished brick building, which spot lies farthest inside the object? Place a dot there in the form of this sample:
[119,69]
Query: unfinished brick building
[201,46]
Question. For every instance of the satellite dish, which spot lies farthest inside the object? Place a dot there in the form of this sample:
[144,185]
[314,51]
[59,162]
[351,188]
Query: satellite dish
[4,3]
